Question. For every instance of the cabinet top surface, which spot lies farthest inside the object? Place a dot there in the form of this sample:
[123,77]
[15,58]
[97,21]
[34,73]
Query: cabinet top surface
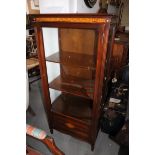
[71,18]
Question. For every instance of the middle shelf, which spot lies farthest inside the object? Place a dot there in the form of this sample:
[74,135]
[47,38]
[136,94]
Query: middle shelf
[75,86]
[73,59]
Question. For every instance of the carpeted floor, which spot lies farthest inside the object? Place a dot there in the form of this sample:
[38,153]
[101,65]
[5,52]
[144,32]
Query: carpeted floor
[68,144]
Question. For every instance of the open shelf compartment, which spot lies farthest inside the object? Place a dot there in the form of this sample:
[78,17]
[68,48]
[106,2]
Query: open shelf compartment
[74,86]
[73,106]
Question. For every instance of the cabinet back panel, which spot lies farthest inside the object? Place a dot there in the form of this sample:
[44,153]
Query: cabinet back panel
[77,40]
[68,71]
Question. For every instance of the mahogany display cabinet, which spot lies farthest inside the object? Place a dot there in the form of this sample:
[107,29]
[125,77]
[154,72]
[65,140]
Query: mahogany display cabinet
[82,41]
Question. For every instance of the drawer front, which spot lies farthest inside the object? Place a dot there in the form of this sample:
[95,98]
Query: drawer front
[72,127]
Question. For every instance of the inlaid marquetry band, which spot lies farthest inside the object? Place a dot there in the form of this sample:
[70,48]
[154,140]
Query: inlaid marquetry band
[72,20]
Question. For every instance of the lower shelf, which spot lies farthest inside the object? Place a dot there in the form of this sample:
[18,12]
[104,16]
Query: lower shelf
[73,106]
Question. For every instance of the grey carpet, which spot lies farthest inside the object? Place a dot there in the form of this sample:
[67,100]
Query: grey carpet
[68,144]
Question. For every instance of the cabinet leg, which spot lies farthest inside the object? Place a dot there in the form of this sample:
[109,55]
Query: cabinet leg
[92,147]
[51,130]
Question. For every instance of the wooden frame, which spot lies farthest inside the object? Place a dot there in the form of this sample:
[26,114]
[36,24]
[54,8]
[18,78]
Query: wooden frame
[81,129]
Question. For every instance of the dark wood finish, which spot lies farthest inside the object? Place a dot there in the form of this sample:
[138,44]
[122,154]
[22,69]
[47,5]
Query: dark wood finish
[101,59]
[120,51]
[78,72]
[112,32]
[72,85]
[78,114]
[73,106]
[72,115]
[73,59]
[43,70]
[72,126]
[81,43]
[78,41]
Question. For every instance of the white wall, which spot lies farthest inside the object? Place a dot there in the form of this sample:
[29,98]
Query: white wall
[66,6]
[82,8]
[51,46]
[51,35]
[72,6]
[57,6]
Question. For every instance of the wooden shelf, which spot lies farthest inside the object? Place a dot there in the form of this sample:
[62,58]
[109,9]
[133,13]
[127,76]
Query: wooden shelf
[74,86]
[73,106]
[73,59]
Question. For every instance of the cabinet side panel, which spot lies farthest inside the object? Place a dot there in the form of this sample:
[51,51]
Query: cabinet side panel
[101,59]
[43,69]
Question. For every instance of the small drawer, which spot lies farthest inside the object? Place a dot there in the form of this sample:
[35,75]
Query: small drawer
[71,126]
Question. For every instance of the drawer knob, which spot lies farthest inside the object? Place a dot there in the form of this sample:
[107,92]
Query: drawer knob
[70,125]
